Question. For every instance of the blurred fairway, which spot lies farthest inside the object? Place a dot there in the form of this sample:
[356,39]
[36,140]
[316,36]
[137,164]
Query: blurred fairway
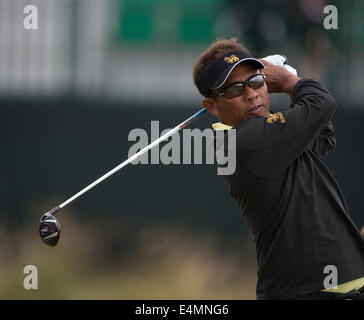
[88,263]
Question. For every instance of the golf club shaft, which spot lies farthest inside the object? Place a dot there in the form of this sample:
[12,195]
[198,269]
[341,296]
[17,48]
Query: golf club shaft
[132,158]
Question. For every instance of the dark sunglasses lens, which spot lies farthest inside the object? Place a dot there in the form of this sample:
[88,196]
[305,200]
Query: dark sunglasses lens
[257,82]
[234,91]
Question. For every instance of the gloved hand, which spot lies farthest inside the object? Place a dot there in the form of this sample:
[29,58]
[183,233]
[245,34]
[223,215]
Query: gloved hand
[281,61]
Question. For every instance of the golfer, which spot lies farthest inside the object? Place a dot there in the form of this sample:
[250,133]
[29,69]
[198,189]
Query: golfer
[306,243]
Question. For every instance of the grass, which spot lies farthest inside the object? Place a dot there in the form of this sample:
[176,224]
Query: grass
[164,262]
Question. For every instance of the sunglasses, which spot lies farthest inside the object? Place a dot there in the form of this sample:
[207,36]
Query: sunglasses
[237,89]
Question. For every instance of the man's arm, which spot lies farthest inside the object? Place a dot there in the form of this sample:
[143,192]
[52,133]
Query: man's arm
[267,146]
[324,142]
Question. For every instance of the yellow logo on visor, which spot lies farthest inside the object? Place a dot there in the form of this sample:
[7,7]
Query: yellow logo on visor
[233,58]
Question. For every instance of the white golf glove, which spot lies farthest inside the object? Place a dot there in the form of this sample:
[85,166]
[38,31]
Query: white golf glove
[280,60]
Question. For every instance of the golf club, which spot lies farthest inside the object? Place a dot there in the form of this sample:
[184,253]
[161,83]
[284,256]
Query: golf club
[49,227]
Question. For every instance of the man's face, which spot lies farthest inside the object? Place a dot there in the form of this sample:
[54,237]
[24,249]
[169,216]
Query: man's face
[236,110]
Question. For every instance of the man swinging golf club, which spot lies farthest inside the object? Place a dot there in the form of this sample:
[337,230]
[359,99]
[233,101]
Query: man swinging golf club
[295,208]
[292,203]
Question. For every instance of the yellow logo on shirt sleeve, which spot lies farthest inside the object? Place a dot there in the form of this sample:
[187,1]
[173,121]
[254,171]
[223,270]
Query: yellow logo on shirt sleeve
[274,117]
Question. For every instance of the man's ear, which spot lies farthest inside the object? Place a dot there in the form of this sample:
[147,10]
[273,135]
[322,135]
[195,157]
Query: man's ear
[210,105]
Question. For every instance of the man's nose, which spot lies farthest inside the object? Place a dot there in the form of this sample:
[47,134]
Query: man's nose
[250,94]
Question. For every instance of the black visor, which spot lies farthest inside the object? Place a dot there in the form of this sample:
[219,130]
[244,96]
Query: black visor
[220,70]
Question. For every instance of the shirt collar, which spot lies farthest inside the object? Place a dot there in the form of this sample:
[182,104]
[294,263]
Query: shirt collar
[220,126]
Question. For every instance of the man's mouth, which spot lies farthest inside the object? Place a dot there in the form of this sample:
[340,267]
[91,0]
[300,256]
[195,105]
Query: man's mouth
[255,109]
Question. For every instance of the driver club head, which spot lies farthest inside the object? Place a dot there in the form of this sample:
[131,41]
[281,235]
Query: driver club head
[49,229]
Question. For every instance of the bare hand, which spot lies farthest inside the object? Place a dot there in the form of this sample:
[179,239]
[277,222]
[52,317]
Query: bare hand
[278,79]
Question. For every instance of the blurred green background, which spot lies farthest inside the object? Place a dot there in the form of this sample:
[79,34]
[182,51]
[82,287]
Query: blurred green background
[70,93]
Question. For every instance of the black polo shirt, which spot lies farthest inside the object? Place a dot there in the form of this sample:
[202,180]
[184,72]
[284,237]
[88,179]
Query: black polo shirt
[292,203]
